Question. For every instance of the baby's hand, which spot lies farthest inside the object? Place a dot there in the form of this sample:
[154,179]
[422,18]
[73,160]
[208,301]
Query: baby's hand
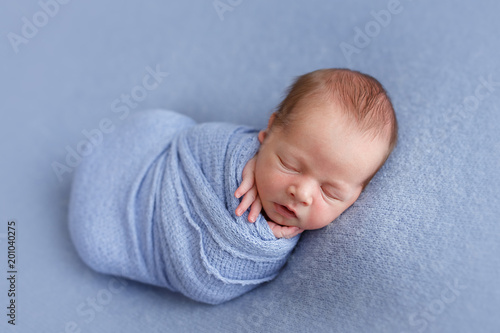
[281,231]
[248,188]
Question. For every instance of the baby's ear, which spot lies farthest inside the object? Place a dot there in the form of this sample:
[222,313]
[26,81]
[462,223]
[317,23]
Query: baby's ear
[262,135]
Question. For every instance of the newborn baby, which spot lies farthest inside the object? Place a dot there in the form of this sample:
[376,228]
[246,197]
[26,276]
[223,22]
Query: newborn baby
[326,141]
[158,200]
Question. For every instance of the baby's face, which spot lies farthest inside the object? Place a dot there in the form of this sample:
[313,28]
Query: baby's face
[312,171]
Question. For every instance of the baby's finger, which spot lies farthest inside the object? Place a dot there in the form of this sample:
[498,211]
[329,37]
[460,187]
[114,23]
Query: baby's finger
[246,184]
[255,210]
[280,231]
[275,229]
[291,232]
[246,201]
[247,176]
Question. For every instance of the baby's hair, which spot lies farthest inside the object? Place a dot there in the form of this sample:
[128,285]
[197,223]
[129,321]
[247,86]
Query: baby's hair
[361,98]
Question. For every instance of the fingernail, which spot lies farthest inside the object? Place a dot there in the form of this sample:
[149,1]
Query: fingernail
[238,212]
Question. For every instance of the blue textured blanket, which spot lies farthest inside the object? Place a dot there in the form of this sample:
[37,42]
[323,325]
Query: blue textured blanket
[154,203]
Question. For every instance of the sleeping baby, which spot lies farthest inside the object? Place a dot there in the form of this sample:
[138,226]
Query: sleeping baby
[159,200]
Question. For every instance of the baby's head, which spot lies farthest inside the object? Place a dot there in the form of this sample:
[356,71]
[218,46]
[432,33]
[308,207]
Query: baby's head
[325,142]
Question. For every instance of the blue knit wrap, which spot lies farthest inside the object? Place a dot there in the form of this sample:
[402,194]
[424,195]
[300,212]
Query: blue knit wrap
[154,202]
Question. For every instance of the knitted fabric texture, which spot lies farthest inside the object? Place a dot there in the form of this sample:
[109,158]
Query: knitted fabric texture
[155,203]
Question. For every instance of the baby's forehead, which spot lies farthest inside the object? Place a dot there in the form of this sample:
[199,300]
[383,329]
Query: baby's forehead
[319,105]
[314,121]
[328,135]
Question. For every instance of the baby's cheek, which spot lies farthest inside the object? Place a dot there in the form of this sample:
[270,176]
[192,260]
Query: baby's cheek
[278,181]
[322,215]
[264,181]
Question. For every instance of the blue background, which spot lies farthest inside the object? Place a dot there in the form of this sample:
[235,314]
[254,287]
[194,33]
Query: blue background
[418,252]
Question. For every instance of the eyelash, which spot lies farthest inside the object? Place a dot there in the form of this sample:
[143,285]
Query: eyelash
[285,166]
[328,195]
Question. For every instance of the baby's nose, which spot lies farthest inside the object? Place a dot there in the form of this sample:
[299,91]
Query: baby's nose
[302,194]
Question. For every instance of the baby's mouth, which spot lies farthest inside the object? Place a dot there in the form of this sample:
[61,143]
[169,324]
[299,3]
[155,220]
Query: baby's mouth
[284,211]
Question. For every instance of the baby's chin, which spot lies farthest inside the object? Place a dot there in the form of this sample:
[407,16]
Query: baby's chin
[264,213]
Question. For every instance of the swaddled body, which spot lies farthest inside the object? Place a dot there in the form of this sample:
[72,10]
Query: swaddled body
[154,203]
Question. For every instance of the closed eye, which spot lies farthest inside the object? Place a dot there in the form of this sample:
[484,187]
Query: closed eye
[329,195]
[286,166]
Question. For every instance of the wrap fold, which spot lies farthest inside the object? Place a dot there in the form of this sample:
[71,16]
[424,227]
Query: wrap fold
[154,202]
